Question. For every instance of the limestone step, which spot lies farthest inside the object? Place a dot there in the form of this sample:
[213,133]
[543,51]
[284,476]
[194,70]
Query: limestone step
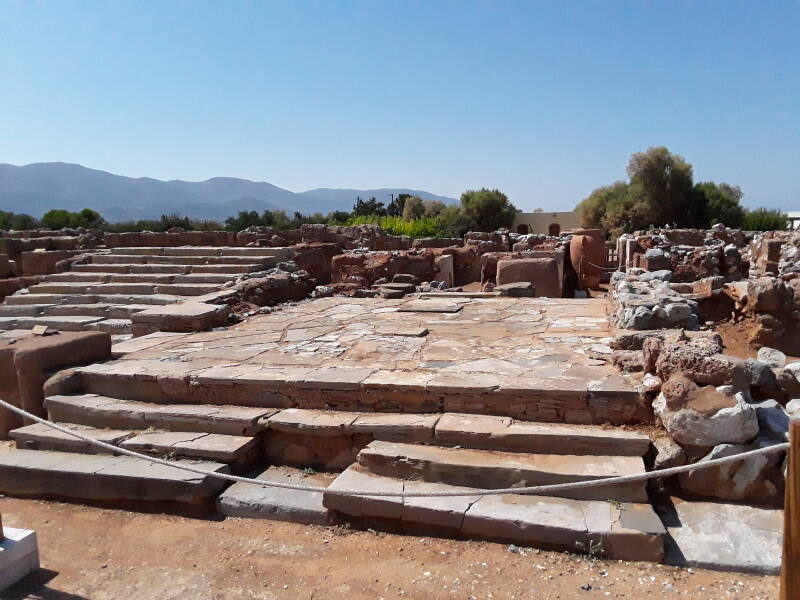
[239,269]
[486,432]
[252,251]
[62,323]
[115,259]
[42,437]
[70,276]
[113,326]
[105,478]
[188,289]
[332,439]
[491,469]
[150,299]
[621,531]
[336,388]
[102,411]
[235,450]
[93,288]
[132,268]
[107,311]
[145,269]
[278,504]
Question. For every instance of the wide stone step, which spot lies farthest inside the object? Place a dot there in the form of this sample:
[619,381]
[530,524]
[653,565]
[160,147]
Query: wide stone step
[238,269]
[486,432]
[93,288]
[235,450]
[102,411]
[42,437]
[113,259]
[331,439]
[175,289]
[132,268]
[613,530]
[107,311]
[71,276]
[151,299]
[105,478]
[251,251]
[278,504]
[490,469]
[63,323]
[359,389]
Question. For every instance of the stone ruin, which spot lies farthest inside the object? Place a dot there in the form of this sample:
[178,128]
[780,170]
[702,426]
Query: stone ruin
[417,365]
[675,289]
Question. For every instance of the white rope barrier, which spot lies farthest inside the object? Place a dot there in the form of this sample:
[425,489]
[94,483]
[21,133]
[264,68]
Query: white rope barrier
[536,489]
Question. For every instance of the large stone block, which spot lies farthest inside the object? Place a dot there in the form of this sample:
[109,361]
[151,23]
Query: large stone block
[543,273]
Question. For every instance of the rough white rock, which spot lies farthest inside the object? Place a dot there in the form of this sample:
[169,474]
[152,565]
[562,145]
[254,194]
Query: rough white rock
[774,358]
[734,424]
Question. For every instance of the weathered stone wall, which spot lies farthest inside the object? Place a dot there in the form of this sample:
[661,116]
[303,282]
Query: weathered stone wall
[365,268]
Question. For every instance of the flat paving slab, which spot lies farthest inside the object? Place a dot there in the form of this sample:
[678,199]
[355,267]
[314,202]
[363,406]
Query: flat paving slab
[279,504]
[723,537]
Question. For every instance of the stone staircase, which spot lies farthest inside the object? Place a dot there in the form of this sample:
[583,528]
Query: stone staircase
[106,292]
[259,435]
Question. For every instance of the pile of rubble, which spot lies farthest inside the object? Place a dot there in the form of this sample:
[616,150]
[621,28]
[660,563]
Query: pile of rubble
[672,284]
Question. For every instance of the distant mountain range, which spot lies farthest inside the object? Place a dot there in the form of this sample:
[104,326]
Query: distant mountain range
[36,188]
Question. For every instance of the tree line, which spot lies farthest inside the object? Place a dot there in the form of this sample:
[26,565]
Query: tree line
[405,214]
[661,191]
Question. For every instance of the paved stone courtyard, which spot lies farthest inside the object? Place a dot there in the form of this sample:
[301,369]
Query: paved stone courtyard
[525,358]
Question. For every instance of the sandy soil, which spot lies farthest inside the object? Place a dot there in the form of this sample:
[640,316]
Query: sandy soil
[98,554]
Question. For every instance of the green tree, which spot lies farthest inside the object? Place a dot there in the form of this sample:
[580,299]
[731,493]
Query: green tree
[395,207]
[414,208]
[433,208]
[364,208]
[454,222]
[764,219]
[487,210]
[721,203]
[10,220]
[243,220]
[663,182]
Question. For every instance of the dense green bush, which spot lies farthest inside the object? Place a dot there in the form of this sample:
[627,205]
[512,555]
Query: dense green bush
[764,219]
[417,228]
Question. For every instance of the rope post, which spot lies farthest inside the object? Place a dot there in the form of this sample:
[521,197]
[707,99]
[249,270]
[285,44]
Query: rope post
[790,567]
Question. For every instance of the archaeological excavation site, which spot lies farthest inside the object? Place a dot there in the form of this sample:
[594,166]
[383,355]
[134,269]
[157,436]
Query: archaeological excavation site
[470,388]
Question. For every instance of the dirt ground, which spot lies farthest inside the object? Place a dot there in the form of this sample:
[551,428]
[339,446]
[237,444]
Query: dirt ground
[99,554]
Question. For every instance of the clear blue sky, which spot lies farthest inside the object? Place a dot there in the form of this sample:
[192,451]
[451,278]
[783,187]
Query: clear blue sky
[545,100]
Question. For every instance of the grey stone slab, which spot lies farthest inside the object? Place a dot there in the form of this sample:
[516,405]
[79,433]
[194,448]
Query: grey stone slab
[428,306]
[490,469]
[103,477]
[19,555]
[43,437]
[355,478]
[498,433]
[279,504]
[724,537]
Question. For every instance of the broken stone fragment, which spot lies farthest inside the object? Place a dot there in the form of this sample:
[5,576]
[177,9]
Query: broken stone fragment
[748,479]
[702,367]
[705,416]
[668,453]
[773,420]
